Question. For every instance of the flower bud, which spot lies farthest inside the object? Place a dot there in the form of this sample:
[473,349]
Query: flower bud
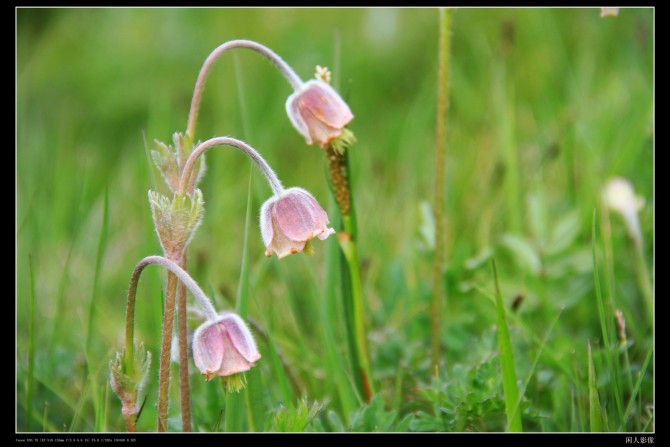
[224,347]
[291,220]
[176,220]
[318,112]
[128,384]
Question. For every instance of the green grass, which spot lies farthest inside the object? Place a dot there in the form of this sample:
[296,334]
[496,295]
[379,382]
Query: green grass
[545,105]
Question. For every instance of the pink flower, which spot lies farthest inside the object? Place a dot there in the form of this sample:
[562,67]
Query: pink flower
[289,221]
[224,347]
[318,112]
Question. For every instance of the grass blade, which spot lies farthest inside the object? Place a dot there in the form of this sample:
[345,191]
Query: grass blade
[638,384]
[102,245]
[506,361]
[603,322]
[534,364]
[31,346]
[595,412]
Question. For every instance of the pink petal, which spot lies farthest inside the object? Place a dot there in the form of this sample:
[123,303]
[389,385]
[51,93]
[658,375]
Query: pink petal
[325,105]
[298,217]
[208,347]
[284,246]
[233,362]
[266,221]
[296,118]
[241,337]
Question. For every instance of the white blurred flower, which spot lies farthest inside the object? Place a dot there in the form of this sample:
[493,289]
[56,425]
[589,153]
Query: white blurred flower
[619,196]
[609,12]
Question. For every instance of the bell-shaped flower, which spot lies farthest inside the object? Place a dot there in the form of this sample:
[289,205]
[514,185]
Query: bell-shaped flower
[318,112]
[224,347]
[290,221]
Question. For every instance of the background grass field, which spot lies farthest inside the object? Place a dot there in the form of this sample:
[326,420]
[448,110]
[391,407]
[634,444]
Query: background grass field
[545,106]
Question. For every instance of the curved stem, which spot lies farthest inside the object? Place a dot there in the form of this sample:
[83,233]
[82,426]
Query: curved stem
[283,67]
[184,277]
[267,171]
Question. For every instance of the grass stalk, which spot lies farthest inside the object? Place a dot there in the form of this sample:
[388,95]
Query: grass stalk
[605,329]
[506,361]
[31,346]
[352,287]
[595,411]
[439,256]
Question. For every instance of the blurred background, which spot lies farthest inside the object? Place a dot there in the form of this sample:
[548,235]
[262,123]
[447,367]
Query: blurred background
[545,105]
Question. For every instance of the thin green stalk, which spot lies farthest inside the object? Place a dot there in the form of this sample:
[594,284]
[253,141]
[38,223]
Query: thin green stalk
[345,391]
[352,290]
[166,351]
[595,412]
[534,364]
[638,384]
[506,361]
[439,256]
[603,322]
[351,254]
[105,408]
[31,346]
[102,245]
[235,401]
[643,281]
[45,419]
[182,337]
[511,156]
[646,426]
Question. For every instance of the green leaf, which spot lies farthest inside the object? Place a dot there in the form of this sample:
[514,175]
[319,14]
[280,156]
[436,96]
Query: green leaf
[524,253]
[564,233]
[506,362]
[595,412]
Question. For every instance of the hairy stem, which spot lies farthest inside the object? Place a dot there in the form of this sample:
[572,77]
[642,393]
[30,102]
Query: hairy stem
[284,68]
[182,335]
[166,351]
[252,153]
[439,256]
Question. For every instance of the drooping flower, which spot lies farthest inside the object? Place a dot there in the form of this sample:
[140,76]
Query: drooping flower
[290,221]
[224,347]
[318,112]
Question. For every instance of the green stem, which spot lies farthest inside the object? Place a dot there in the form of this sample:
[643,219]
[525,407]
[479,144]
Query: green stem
[185,392]
[439,257]
[603,320]
[352,288]
[510,389]
[31,346]
[350,249]
[642,275]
